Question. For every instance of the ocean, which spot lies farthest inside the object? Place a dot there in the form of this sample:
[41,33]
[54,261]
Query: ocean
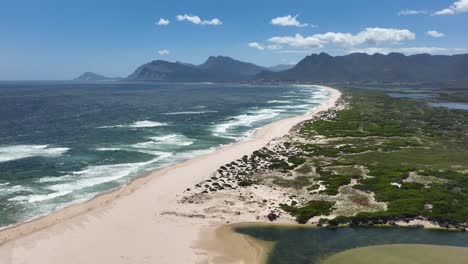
[64,142]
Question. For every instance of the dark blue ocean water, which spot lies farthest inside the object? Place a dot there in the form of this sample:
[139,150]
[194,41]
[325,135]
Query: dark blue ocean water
[65,142]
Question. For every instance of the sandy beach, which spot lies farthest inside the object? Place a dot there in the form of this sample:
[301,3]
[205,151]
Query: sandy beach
[140,222]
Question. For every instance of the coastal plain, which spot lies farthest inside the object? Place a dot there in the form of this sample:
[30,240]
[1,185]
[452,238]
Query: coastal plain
[363,158]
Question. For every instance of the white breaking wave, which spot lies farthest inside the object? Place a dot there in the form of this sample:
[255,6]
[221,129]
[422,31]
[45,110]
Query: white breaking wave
[244,120]
[173,139]
[279,102]
[16,152]
[158,142]
[155,145]
[190,113]
[192,153]
[302,106]
[139,124]
[6,189]
[86,178]
[313,100]
[199,107]
[147,124]
[96,175]
[108,149]
[316,94]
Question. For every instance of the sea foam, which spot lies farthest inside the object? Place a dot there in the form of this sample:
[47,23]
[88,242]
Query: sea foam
[172,139]
[87,178]
[15,152]
[224,129]
[163,141]
[139,124]
[156,145]
[279,102]
[190,112]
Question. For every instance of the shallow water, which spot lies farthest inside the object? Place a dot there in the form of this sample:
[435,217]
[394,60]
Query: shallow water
[312,245]
[459,106]
[401,254]
[65,142]
[411,95]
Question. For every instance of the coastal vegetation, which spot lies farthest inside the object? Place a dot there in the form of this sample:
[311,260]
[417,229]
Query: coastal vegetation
[372,159]
[385,159]
[393,139]
[311,209]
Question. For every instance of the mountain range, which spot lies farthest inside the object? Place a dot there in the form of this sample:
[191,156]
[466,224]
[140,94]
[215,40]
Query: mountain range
[215,69]
[317,68]
[364,68]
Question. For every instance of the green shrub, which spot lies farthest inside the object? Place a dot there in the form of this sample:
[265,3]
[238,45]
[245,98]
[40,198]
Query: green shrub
[311,209]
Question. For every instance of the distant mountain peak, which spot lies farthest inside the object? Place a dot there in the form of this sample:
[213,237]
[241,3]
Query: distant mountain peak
[215,68]
[91,76]
[219,60]
[219,57]
[396,54]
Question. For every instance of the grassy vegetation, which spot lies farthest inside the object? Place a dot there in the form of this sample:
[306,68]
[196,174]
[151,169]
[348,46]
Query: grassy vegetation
[296,183]
[311,209]
[390,138]
[333,181]
[304,169]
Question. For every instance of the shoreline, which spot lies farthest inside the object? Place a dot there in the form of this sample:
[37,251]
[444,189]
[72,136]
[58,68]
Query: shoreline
[226,246]
[113,221]
[260,250]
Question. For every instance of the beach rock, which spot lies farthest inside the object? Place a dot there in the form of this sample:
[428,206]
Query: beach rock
[272,216]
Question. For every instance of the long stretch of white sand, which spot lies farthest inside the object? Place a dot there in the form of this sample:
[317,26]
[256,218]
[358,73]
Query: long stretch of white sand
[126,226]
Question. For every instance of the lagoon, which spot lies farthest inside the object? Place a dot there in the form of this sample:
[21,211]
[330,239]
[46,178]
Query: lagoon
[314,245]
[459,106]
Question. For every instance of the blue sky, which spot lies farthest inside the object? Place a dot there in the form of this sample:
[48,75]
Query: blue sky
[58,39]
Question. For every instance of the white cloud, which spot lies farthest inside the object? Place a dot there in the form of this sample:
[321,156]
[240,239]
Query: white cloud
[255,45]
[193,19]
[163,22]
[460,6]
[288,20]
[214,21]
[198,21]
[258,46]
[370,36]
[446,11]
[435,34]
[408,12]
[410,50]
[274,47]
[164,52]
[298,41]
